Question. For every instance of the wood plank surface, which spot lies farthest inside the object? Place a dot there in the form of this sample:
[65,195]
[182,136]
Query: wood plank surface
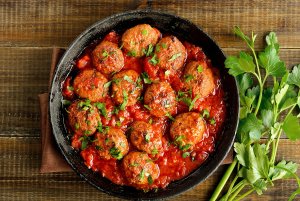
[28,31]
[20,177]
[47,23]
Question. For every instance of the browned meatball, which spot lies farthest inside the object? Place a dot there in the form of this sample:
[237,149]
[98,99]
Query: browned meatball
[160,99]
[107,57]
[199,78]
[111,143]
[170,53]
[144,138]
[126,83]
[137,39]
[83,117]
[139,168]
[187,130]
[90,84]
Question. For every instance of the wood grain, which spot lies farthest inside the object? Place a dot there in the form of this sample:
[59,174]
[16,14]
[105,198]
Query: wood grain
[56,23]
[19,177]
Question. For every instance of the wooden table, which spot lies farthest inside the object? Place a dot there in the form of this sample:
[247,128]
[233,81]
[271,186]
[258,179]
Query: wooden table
[29,30]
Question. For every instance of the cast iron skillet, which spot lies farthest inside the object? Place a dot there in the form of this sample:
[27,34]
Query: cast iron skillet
[168,23]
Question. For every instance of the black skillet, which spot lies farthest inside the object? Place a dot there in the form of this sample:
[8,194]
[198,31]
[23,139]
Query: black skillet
[166,23]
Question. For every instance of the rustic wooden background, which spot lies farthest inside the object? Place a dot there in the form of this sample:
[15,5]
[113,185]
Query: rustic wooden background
[29,30]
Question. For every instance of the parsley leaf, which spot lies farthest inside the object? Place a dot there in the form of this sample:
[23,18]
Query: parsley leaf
[199,68]
[116,153]
[146,78]
[238,65]
[188,77]
[125,100]
[102,108]
[294,76]
[175,56]
[291,127]
[154,60]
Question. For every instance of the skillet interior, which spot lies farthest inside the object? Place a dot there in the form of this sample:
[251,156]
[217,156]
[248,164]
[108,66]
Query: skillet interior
[166,23]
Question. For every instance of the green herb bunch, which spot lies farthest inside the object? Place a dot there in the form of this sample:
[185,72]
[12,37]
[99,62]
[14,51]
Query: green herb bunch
[265,112]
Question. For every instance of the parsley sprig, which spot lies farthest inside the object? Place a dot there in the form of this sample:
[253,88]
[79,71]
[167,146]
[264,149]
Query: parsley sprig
[264,111]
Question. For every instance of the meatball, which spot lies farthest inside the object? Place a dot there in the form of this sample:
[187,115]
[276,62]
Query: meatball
[160,99]
[140,169]
[90,84]
[170,53]
[136,40]
[187,130]
[83,117]
[111,143]
[126,84]
[144,138]
[108,58]
[199,78]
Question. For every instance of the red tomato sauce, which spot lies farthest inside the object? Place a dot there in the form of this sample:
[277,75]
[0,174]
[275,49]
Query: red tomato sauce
[173,166]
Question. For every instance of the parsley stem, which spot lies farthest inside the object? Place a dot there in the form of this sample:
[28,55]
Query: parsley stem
[231,186]
[292,197]
[275,146]
[244,195]
[223,181]
[238,190]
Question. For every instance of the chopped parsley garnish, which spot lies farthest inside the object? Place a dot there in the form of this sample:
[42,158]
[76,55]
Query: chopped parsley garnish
[99,127]
[142,175]
[188,78]
[154,60]
[170,116]
[164,45]
[99,148]
[118,123]
[66,102]
[212,121]
[134,164]
[145,32]
[150,180]
[107,84]
[125,100]
[167,72]
[191,106]
[121,46]
[128,79]
[116,153]
[199,68]
[117,81]
[88,122]
[85,105]
[146,78]
[185,147]
[77,126]
[84,144]
[175,56]
[205,113]
[150,121]
[131,53]
[154,151]
[147,137]
[87,132]
[70,88]
[185,154]
[147,107]
[102,108]
[157,48]
[149,50]
[84,141]
[105,54]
